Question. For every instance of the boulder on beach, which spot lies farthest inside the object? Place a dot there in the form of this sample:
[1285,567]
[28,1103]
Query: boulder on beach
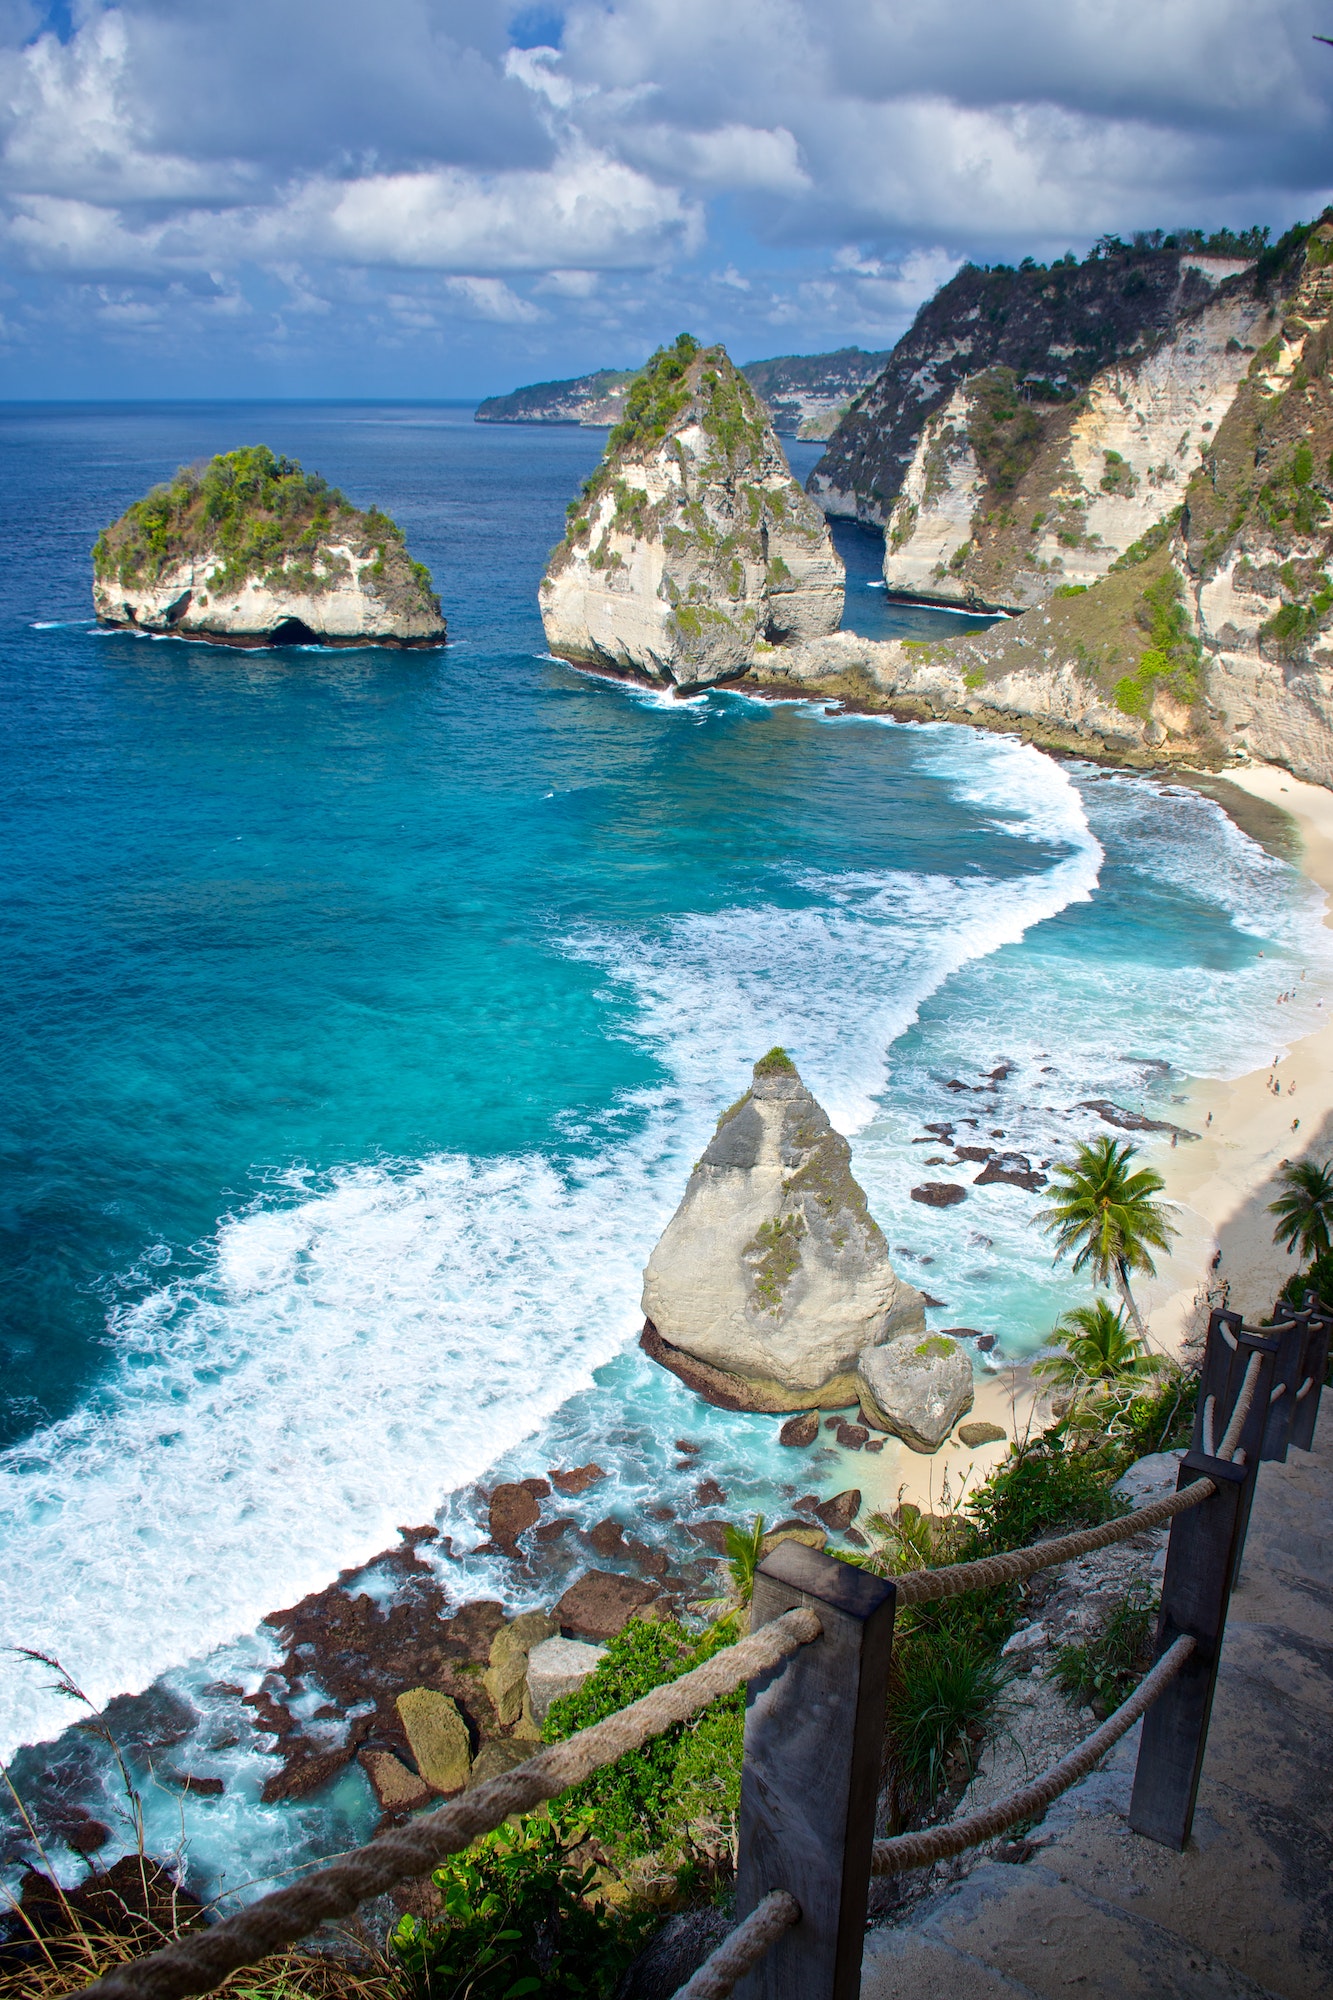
[772,1275]
[916,1388]
[976,1434]
[557,1667]
[439,1737]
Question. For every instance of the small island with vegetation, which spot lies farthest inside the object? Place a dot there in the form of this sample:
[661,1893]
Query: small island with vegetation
[247,549]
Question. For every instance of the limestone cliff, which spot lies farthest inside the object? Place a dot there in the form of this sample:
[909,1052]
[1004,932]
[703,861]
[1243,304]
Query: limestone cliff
[592,400]
[249,550]
[1210,637]
[691,550]
[1055,328]
[772,1277]
[1009,496]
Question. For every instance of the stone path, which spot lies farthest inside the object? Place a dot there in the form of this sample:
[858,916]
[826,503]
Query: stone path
[1247,1910]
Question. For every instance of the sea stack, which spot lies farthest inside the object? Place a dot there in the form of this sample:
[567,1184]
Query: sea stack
[249,550]
[691,552]
[772,1277]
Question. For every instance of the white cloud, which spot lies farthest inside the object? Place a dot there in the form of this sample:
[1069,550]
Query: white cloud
[490,298]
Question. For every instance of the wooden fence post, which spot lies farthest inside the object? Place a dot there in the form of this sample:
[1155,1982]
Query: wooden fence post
[814,1739]
[1293,1337]
[1314,1367]
[1202,1558]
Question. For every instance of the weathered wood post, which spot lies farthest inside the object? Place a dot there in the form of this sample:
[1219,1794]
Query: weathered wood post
[1314,1367]
[1292,1335]
[814,1736]
[1202,1558]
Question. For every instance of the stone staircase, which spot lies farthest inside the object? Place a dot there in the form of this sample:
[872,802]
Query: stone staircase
[1247,1910]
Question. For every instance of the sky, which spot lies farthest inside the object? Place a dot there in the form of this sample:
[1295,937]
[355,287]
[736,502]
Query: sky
[449,198]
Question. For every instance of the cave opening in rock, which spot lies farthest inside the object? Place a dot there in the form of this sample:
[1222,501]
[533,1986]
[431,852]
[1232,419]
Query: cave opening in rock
[292,632]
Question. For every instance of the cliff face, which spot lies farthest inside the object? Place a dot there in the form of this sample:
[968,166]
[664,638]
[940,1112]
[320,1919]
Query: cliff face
[1210,637]
[691,550]
[1256,546]
[1054,328]
[250,551]
[1006,499]
[808,394]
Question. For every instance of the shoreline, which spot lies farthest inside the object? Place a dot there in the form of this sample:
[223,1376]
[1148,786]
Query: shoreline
[1224,1181]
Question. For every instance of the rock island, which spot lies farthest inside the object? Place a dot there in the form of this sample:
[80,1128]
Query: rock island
[249,550]
[691,551]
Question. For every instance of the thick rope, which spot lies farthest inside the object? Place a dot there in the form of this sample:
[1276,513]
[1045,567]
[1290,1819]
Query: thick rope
[923,1586]
[202,1960]
[1231,1435]
[936,1843]
[743,1948]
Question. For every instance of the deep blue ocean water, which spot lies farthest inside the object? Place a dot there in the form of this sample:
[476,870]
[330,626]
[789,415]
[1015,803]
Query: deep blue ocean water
[364,1012]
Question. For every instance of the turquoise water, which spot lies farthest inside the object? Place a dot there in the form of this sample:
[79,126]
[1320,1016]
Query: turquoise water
[364,1013]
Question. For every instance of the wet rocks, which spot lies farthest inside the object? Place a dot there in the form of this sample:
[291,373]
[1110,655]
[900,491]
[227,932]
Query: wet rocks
[439,1737]
[1015,1169]
[578,1480]
[396,1789]
[772,1275]
[839,1512]
[852,1437]
[600,1603]
[939,1194]
[557,1667]
[976,1434]
[800,1430]
[513,1510]
[917,1389]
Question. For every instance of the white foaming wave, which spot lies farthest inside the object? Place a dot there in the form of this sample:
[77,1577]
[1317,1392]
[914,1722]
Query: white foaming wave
[838,982]
[346,1359]
[380,1337]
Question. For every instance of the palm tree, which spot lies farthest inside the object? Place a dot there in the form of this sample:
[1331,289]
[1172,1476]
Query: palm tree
[1098,1351]
[1106,1214]
[1304,1208]
[745,1549]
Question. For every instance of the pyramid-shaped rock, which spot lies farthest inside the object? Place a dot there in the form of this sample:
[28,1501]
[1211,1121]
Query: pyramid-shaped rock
[772,1276]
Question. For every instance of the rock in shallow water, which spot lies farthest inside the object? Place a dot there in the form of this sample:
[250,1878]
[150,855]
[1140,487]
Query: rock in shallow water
[772,1275]
[601,1603]
[917,1389]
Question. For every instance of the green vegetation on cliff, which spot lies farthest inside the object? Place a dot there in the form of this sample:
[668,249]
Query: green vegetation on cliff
[261,514]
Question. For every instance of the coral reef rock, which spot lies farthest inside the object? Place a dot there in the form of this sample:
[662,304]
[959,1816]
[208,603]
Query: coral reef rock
[249,550]
[916,1388]
[600,1603]
[692,552]
[772,1275]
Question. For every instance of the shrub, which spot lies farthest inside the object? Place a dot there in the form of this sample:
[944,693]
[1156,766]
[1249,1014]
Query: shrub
[1054,1483]
[517,1919]
[1103,1671]
[657,396]
[633,1802]
[940,1691]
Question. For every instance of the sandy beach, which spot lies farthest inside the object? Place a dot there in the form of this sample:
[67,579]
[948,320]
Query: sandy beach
[1221,1184]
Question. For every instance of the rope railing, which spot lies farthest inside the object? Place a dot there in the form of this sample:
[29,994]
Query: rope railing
[925,1586]
[741,1950]
[201,1960]
[937,1843]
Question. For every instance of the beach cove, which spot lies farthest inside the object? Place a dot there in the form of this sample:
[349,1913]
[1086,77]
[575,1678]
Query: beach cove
[369,1015]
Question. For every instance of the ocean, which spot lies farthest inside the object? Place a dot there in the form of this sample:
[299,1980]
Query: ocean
[364,1013]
